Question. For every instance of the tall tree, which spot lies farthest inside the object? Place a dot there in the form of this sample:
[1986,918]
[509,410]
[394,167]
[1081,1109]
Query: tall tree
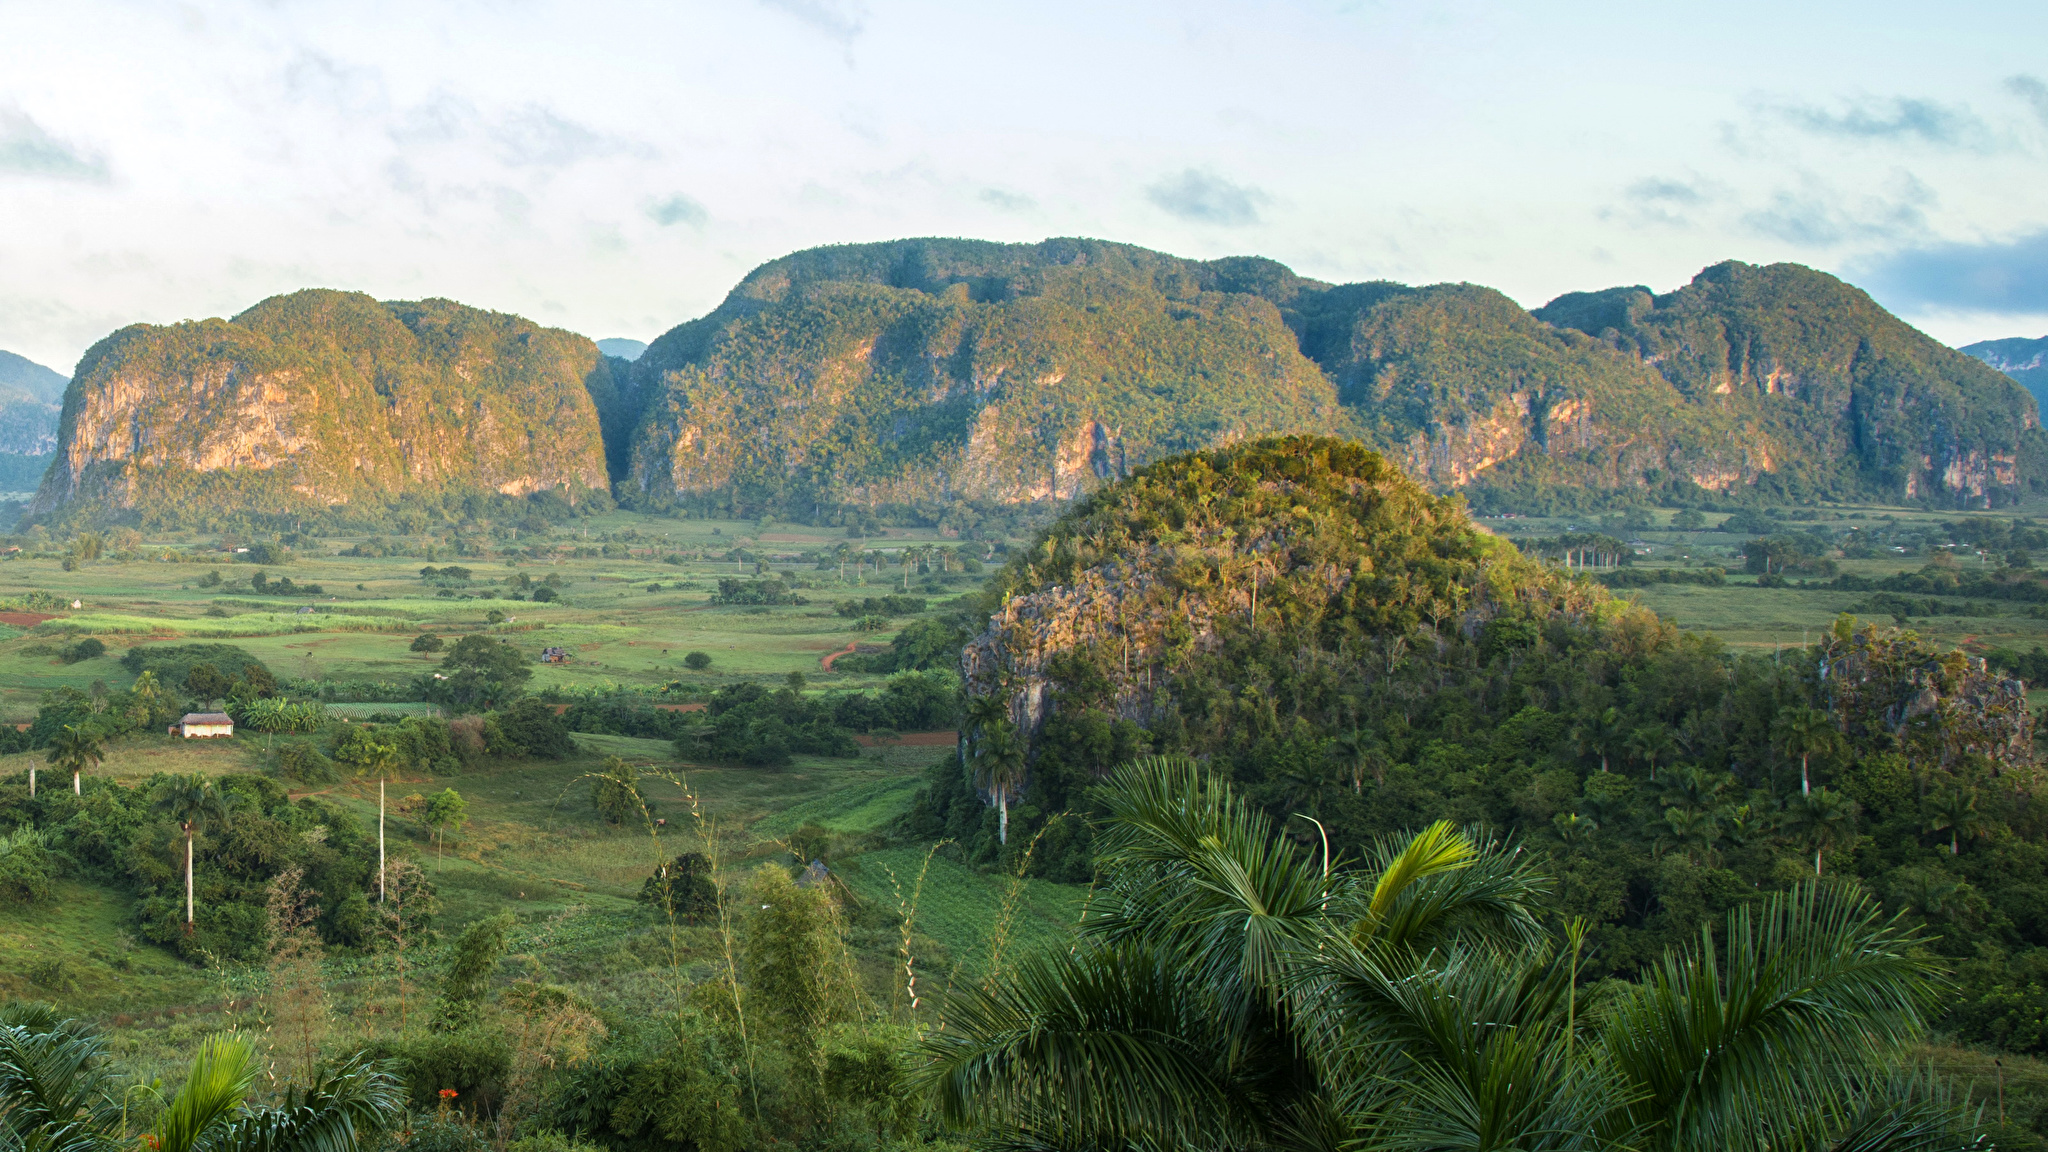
[195,803]
[1806,733]
[999,768]
[75,750]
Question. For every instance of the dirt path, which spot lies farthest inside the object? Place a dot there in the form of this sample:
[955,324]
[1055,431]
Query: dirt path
[851,645]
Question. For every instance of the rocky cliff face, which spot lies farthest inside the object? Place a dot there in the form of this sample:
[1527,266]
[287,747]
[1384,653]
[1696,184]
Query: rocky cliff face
[1832,394]
[325,398]
[938,371]
[930,371]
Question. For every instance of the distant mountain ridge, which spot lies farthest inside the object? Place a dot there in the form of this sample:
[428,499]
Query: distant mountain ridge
[2020,358]
[923,371]
[25,375]
[915,376]
[31,401]
[319,398]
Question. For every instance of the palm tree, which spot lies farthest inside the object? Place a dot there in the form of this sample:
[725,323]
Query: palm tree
[62,1097]
[999,768]
[379,760]
[983,711]
[1232,990]
[75,751]
[1828,819]
[1651,741]
[194,803]
[1600,735]
[1806,732]
[1955,812]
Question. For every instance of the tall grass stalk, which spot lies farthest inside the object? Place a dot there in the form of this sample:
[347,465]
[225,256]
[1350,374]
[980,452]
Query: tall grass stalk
[907,910]
[1012,896]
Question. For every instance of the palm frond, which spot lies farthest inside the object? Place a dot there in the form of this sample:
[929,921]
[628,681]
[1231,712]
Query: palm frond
[215,1087]
[357,1099]
[1107,1046]
[1444,882]
[1817,992]
[53,1078]
[1195,870]
[1469,1047]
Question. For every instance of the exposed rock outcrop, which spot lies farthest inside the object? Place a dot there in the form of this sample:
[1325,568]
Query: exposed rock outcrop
[324,398]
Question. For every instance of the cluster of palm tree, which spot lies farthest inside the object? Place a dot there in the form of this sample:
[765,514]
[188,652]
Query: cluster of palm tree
[277,714]
[1703,810]
[1232,989]
[60,1093]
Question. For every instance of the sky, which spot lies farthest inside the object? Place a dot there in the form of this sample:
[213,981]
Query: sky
[614,168]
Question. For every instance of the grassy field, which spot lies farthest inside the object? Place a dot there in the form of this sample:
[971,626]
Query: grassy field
[617,628]
[1748,617]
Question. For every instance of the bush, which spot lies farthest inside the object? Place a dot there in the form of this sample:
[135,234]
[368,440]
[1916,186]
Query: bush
[543,594]
[27,867]
[682,888]
[890,605]
[529,728]
[769,591]
[697,661]
[90,648]
[473,1062]
[427,642]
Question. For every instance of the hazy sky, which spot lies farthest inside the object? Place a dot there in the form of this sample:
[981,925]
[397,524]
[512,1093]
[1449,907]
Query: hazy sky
[614,168]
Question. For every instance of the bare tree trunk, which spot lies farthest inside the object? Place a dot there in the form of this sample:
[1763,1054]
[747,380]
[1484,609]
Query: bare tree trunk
[380,840]
[188,879]
[1003,820]
[31,779]
[1805,786]
[76,788]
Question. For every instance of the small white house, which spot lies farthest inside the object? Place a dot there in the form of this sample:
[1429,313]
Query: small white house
[201,724]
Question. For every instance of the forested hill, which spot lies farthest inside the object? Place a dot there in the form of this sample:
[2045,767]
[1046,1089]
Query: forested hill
[1832,394]
[2018,357]
[911,377]
[323,398]
[1343,645]
[926,371]
[932,371]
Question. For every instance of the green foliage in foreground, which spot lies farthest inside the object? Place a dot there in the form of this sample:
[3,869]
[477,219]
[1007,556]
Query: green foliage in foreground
[1233,989]
[59,1092]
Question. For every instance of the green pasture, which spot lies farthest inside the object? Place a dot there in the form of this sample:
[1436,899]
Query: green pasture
[370,608]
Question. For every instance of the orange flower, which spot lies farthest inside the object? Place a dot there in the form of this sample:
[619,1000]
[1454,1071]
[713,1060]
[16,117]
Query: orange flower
[449,1093]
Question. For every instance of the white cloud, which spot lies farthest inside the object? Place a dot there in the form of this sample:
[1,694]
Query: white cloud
[28,149]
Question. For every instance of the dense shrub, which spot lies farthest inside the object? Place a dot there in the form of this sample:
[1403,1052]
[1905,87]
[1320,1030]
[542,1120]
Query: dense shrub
[528,728]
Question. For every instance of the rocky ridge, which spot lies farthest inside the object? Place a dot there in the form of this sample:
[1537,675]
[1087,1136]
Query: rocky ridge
[322,398]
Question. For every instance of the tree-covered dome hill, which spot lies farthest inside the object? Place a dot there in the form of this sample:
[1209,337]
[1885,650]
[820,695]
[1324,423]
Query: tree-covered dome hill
[323,398]
[1360,659]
